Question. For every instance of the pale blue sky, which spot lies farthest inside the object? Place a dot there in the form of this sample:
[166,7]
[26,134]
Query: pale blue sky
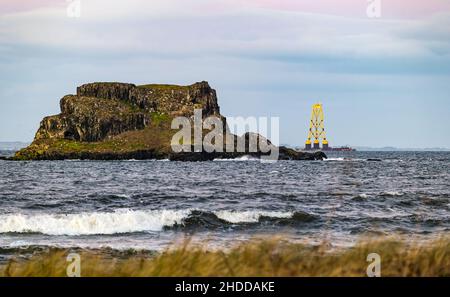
[383,82]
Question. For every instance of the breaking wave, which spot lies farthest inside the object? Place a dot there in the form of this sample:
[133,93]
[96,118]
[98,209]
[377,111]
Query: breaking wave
[341,159]
[238,159]
[131,221]
[392,193]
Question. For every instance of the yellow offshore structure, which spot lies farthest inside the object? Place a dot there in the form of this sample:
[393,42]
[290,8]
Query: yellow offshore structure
[316,129]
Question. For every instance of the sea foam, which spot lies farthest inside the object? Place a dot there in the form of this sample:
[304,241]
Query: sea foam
[119,221]
[250,216]
[238,159]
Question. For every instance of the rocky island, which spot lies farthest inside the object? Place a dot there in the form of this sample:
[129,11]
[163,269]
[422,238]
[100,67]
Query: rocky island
[116,121]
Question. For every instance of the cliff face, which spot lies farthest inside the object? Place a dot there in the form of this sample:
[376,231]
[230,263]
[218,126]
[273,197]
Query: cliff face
[102,110]
[124,121]
[91,119]
[170,99]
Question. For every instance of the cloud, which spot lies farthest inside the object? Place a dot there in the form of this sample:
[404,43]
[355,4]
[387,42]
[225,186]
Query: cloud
[14,6]
[352,8]
[201,28]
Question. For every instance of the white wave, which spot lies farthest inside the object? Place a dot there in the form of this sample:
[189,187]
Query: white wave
[19,243]
[341,159]
[239,159]
[250,216]
[335,159]
[139,160]
[120,221]
[393,193]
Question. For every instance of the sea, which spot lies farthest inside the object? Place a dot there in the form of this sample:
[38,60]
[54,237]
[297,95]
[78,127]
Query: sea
[153,205]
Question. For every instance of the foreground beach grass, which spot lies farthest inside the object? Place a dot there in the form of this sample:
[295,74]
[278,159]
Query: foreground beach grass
[268,257]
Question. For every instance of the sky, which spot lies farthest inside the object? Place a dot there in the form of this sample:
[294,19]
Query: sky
[383,81]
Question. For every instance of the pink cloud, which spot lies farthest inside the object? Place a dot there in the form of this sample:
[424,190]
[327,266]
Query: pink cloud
[356,8]
[12,6]
[350,8]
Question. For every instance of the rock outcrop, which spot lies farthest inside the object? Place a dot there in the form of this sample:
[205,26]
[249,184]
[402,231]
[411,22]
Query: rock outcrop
[91,119]
[101,110]
[284,154]
[170,99]
[110,121]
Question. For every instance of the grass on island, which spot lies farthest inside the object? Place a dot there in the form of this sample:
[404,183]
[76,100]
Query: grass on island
[164,87]
[268,257]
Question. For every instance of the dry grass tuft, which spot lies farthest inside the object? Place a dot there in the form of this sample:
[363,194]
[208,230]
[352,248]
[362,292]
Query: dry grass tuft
[269,257]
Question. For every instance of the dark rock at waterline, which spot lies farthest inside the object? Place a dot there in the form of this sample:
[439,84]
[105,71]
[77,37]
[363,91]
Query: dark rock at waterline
[374,160]
[102,156]
[192,156]
[284,153]
[290,154]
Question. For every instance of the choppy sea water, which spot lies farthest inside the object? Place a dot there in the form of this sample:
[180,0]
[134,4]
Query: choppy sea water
[150,204]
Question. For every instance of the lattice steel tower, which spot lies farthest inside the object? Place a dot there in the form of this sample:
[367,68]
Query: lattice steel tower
[316,129]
